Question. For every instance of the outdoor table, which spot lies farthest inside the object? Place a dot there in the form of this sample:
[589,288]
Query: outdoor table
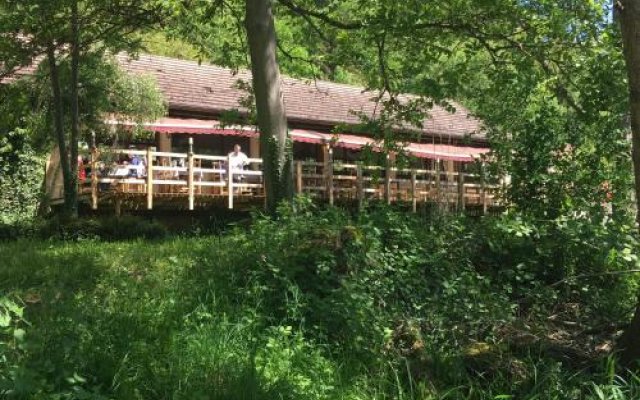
[120,172]
[124,172]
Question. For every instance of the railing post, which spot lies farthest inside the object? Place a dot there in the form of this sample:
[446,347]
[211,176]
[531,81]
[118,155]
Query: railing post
[483,189]
[359,186]
[437,182]
[461,204]
[94,178]
[450,192]
[328,172]
[149,179]
[230,182]
[414,199]
[190,183]
[387,180]
[299,177]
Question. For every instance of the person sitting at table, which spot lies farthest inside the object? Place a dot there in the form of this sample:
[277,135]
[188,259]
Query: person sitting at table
[137,166]
[136,160]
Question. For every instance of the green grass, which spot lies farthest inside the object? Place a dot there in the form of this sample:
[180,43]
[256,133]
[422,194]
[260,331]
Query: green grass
[153,320]
[316,305]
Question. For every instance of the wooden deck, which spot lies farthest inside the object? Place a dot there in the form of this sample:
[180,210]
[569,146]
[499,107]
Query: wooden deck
[203,180]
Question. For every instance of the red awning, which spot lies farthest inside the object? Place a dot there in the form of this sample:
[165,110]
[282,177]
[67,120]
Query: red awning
[213,127]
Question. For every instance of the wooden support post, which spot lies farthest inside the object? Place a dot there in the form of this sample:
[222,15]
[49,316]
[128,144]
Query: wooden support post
[387,180]
[328,173]
[414,198]
[190,183]
[200,175]
[483,190]
[254,151]
[230,182]
[299,177]
[437,182]
[392,157]
[149,179]
[94,178]
[359,186]
[461,204]
[450,170]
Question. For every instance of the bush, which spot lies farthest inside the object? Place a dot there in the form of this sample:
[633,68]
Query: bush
[16,230]
[567,260]
[21,179]
[362,282]
[109,229]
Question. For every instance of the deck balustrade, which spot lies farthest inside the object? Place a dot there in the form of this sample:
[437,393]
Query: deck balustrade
[195,178]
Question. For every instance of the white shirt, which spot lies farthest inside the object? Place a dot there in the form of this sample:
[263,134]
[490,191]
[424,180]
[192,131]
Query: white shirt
[238,161]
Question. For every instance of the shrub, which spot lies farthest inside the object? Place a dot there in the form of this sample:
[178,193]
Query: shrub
[567,260]
[108,228]
[359,282]
[21,178]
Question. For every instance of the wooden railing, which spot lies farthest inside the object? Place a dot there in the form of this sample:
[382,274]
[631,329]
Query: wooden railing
[192,176]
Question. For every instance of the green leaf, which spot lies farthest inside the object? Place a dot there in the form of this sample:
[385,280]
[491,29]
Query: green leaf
[5,320]
[19,334]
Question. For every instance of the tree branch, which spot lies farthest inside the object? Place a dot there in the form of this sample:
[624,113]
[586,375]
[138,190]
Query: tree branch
[350,25]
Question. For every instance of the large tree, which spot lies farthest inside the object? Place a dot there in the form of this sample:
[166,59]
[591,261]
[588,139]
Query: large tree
[628,12]
[272,118]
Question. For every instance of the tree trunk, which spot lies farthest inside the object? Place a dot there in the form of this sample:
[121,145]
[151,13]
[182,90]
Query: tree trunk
[275,147]
[58,125]
[629,17]
[75,112]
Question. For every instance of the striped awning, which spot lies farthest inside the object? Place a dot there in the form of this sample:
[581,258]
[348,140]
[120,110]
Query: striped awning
[349,141]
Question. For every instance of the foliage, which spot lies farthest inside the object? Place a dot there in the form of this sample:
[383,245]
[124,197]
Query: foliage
[21,162]
[25,121]
[105,228]
[561,152]
[22,172]
[78,28]
[86,229]
[12,347]
[30,26]
[159,43]
[322,304]
[107,92]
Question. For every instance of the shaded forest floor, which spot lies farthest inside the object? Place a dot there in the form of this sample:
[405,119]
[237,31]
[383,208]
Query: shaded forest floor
[322,304]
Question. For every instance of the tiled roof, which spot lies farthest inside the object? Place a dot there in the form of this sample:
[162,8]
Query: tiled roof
[208,89]
[190,86]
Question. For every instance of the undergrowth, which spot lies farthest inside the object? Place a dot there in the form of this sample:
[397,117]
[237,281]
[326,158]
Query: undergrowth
[320,304]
